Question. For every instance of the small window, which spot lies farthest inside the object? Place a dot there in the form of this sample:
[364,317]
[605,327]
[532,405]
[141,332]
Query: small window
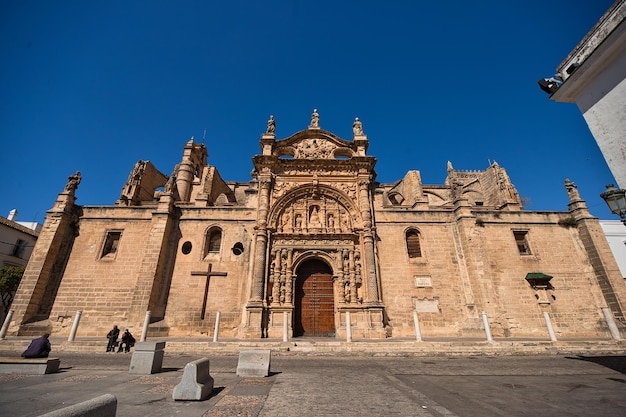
[413,244]
[111,243]
[186,249]
[521,239]
[238,248]
[213,240]
[18,248]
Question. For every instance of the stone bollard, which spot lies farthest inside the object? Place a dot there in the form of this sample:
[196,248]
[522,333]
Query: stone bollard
[102,406]
[75,326]
[254,363]
[348,328]
[5,325]
[487,329]
[546,316]
[416,323]
[144,330]
[147,358]
[196,384]
[217,326]
[608,316]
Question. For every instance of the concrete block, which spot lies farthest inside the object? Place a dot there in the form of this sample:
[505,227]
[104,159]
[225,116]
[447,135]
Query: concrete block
[254,363]
[147,358]
[102,406]
[196,384]
[38,366]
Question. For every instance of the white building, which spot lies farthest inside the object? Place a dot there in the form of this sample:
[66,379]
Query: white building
[17,240]
[615,233]
[594,77]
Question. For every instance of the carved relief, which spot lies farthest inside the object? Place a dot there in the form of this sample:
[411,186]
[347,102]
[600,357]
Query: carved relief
[314,149]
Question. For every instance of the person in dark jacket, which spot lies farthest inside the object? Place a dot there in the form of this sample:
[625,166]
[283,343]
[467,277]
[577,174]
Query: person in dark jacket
[38,348]
[113,334]
[127,342]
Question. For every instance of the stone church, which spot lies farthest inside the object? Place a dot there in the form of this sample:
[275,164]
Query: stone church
[314,239]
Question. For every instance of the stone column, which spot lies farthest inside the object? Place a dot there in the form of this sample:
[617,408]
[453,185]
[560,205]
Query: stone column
[258,277]
[256,298]
[368,244]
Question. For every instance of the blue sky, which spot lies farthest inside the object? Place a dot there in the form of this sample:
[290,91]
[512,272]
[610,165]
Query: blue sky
[95,86]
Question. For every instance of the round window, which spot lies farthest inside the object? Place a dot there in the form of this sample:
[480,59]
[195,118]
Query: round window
[238,248]
[186,249]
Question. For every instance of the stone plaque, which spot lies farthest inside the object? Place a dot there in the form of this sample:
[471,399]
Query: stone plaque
[423,281]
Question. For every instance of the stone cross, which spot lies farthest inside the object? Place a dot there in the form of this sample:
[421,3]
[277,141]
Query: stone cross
[208,276]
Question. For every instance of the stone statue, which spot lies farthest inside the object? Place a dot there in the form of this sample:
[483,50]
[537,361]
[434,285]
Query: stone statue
[572,190]
[170,184]
[357,127]
[315,219]
[271,125]
[72,182]
[331,221]
[315,119]
[298,221]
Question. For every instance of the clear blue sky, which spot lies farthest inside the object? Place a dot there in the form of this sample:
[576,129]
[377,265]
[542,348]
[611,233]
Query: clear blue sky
[95,86]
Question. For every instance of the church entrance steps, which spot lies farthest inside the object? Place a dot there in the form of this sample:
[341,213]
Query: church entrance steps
[326,346]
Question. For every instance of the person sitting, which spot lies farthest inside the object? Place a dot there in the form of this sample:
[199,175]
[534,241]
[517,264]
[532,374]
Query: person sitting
[38,348]
[127,342]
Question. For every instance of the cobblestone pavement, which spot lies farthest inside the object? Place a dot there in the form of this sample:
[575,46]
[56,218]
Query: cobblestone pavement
[356,385]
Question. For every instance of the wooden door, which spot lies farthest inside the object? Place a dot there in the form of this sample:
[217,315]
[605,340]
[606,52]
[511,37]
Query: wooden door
[315,307]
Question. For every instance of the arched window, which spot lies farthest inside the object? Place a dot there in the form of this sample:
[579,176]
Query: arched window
[413,247]
[213,240]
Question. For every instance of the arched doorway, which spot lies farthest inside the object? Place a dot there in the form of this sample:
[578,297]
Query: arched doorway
[314,313]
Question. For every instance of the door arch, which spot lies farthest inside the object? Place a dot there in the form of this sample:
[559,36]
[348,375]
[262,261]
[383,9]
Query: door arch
[314,313]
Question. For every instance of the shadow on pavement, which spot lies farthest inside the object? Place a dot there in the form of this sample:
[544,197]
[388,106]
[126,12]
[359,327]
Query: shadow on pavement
[617,363]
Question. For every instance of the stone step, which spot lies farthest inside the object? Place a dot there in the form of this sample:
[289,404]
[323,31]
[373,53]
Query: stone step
[382,347]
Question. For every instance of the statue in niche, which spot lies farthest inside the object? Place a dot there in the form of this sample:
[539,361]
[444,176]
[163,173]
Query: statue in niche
[357,127]
[315,119]
[271,126]
[331,221]
[286,224]
[315,218]
[73,181]
[298,221]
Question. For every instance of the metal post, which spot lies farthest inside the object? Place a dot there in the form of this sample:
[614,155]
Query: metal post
[217,326]
[5,325]
[348,328]
[418,332]
[146,323]
[75,326]
[285,326]
[611,322]
[546,315]
[487,329]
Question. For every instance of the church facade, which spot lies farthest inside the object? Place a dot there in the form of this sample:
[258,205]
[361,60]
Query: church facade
[313,243]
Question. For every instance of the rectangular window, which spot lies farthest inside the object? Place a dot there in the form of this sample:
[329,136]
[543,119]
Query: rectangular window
[18,248]
[111,243]
[521,239]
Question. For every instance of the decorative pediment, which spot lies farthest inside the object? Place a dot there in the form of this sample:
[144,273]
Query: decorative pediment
[314,144]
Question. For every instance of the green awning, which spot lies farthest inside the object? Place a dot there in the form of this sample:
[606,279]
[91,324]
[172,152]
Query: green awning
[538,279]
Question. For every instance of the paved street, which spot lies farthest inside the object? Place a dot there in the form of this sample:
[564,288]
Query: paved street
[302,385]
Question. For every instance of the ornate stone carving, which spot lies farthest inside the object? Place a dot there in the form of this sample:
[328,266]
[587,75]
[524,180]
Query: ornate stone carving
[314,149]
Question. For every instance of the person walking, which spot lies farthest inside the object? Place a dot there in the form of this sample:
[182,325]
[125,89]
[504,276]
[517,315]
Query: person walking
[113,334]
[38,348]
